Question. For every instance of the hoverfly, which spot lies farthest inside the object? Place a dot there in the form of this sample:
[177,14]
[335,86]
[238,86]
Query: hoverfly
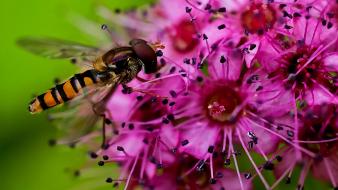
[117,66]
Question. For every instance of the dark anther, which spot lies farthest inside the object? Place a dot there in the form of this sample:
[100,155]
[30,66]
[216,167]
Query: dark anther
[105,146]
[51,142]
[199,79]
[77,173]
[165,101]
[194,60]
[120,148]
[330,14]
[188,9]
[247,175]
[153,99]
[279,158]
[116,132]
[329,25]
[152,159]
[165,120]
[123,124]
[159,166]
[252,46]
[172,103]
[296,14]
[212,181]
[222,60]
[259,88]
[227,162]
[100,163]
[172,70]
[170,117]
[117,11]
[150,129]
[307,17]
[139,98]
[186,61]
[221,27]
[252,79]
[104,26]
[290,133]
[211,149]
[93,155]
[288,27]
[105,157]
[72,145]
[115,184]
[73,60]
[222,10]
[219,175]
[286,14]
[205,37]
[131,126]
[173,93]
[207,7]
[282,6]
[107,121]
[184,142]
[268,165]
[157,75]
[162,61]
[308,8]
[109,180]
[159,53]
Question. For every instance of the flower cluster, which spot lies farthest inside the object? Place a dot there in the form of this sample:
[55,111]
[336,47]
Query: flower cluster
[247,81]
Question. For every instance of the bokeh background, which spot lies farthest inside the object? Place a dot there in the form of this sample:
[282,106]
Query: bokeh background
[26,160]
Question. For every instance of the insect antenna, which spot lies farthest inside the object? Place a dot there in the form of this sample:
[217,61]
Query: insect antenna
[111,34]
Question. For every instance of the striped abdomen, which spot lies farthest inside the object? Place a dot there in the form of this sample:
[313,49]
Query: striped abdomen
[63,92]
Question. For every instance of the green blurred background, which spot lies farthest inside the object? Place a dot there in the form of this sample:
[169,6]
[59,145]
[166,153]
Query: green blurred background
[26,160]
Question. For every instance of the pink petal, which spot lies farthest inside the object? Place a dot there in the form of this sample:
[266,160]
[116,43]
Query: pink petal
[200,137]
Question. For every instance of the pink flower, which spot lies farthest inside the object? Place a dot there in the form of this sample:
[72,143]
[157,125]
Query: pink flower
[230,105]
[317,149]
[303,60]
[189,173]
[144,138]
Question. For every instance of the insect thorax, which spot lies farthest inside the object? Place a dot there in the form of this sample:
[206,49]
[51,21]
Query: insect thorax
[130,69]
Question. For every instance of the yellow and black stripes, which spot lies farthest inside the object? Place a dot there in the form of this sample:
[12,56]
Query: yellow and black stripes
[64,92]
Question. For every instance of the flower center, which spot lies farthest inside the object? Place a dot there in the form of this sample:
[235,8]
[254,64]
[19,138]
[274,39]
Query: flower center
[221,104]
[183,36]
[258,18]
[320,124]
[301,74]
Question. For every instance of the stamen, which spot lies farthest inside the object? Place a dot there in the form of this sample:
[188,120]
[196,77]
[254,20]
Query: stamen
[329,171]
[252,161]
[131,172]
[303,174]
[236,166]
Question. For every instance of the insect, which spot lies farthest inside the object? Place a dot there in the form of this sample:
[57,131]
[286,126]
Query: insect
[117,66]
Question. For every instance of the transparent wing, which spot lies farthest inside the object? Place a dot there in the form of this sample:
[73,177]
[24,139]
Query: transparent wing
[57,49]
[83,115]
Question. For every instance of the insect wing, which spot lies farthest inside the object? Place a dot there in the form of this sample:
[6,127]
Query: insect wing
[56,48]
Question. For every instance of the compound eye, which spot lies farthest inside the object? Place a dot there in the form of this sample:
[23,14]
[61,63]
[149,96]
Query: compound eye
[146,54]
